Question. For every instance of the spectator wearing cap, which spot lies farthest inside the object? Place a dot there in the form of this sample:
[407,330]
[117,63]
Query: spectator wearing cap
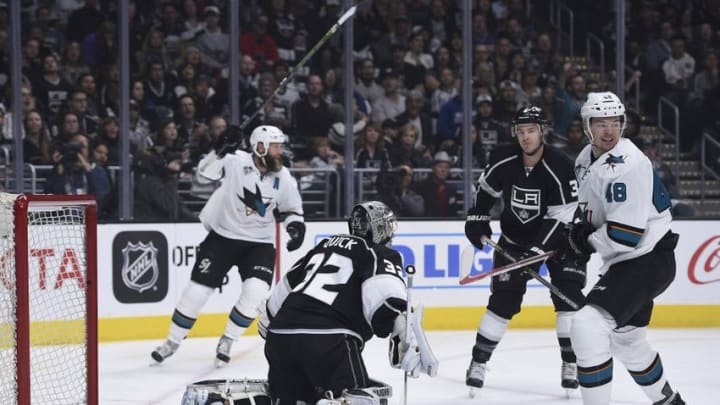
[440,197]
[213,43]
[417,115]
[171,25]
[392,103]
[365,83]
[490,132]
[259,43]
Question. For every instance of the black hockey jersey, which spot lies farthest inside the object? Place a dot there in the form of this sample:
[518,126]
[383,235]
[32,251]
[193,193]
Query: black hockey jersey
[340,286]
[537,202]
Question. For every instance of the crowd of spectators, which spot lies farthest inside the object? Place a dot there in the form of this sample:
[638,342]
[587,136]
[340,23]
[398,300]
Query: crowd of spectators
[407,98]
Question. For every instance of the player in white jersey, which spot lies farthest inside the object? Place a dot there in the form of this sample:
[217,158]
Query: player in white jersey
[239,217]
[624,216]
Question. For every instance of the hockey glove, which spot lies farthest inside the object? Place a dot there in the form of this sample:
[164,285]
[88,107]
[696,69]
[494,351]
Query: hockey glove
[228,141]
[477,227]
[296,230]
[578,239]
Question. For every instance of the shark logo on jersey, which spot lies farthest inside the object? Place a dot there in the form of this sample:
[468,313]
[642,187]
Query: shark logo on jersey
[140,266]
[611,161]
[525,203]
[254,202]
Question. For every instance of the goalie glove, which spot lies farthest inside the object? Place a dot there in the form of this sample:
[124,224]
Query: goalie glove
[409,349]
[228,141]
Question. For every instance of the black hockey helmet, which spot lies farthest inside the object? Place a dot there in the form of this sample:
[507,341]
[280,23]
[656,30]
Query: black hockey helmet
[529,115]
[373,221]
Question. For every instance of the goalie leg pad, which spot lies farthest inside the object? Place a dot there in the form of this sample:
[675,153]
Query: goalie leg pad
[428,361]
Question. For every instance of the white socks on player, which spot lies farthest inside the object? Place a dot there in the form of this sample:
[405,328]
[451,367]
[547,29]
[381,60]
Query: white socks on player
[631,347]
[191,303]
[492,326]
[254,292]
[564,322]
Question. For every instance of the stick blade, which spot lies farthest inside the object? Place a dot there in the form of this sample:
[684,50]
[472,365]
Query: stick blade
[468,272]
[349,13]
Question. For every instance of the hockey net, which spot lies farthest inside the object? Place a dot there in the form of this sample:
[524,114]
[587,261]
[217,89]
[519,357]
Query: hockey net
[48,299]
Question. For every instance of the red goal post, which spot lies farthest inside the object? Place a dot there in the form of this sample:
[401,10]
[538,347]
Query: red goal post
[48,299]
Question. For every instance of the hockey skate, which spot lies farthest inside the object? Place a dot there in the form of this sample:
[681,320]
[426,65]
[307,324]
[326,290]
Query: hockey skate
[475,376]
[674,399]
[222,353]
[164,351]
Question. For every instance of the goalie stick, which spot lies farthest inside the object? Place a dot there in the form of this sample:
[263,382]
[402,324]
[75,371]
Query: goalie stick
[534,275]
[410,270]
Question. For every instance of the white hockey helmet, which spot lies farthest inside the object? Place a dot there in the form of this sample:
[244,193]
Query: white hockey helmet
[373,221]
[601,104]
[265,135]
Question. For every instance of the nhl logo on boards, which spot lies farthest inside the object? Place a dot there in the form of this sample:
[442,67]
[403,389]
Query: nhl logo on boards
[140,269]
[140,266]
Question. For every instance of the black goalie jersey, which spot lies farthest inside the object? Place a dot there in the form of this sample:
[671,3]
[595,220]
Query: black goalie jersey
[537,202]
[340,286]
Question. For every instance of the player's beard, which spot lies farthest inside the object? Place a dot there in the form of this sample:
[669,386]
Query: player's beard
[273,164]
[534,151]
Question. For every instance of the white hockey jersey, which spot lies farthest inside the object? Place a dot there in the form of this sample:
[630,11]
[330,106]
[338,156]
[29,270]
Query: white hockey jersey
[242,207]
[625,201]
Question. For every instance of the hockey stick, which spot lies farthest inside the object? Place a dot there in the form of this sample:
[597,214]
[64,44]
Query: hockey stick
[410,270]
[468,256]
[534,275]
[349,13]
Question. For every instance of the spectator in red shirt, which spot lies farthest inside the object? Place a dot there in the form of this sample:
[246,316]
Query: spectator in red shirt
[259,44]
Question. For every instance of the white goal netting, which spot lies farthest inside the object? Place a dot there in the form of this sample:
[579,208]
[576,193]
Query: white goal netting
[44,320]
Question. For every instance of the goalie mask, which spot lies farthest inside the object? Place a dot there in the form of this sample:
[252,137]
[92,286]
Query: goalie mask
[265,135]
[373,221]
[601,104]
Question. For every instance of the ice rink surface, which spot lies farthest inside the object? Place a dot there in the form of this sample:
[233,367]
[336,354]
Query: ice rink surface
[524,370]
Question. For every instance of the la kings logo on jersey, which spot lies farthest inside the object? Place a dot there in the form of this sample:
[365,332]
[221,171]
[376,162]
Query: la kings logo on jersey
[140,266]
[525,203]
